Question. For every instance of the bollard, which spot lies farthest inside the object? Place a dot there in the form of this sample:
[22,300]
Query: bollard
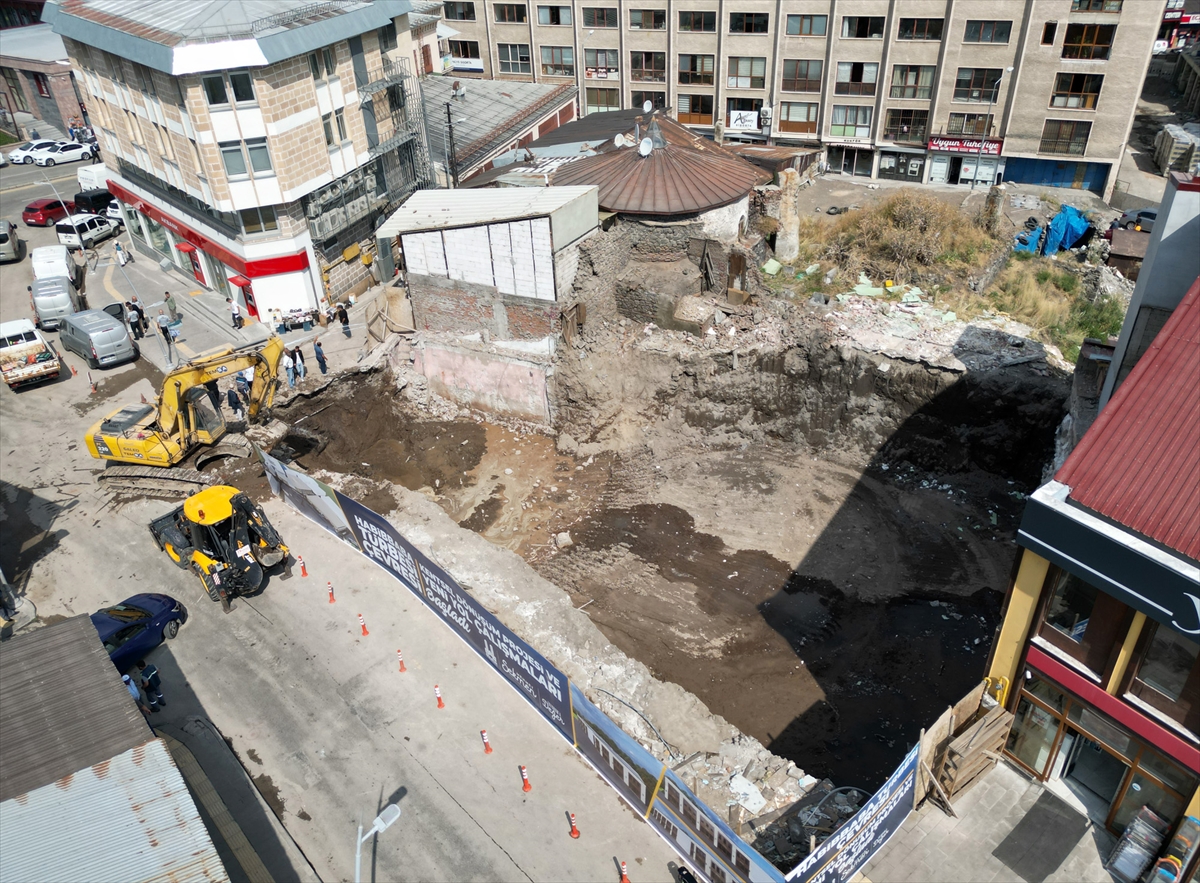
[574,830]
[437,691]
[400,656]
[624,873]
[487,746]
[363,623]
[331,600]
[74,373]
[91,382]
[525,786]
[303,569]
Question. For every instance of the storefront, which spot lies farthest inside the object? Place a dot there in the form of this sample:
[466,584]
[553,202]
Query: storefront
[963,160]
[1112,767]
[900,164]
[851,157]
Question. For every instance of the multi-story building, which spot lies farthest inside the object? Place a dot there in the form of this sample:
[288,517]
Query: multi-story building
[923,90]
[253,145]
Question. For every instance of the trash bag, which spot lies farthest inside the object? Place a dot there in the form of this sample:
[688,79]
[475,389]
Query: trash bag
[1065,229]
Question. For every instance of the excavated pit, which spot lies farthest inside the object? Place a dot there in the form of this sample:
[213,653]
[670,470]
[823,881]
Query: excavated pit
[827,584]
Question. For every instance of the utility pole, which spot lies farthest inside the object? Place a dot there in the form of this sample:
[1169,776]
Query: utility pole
[451,153]
[987,128]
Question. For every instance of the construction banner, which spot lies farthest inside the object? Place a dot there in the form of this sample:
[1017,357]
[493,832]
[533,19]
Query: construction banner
[852,845]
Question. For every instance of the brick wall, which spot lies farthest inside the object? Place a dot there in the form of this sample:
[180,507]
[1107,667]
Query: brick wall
[655,242]
[452,305]
[601,260]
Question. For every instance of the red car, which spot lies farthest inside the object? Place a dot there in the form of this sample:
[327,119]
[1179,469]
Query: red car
[44,212]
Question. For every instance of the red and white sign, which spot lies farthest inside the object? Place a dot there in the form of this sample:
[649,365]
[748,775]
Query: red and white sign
[965,145]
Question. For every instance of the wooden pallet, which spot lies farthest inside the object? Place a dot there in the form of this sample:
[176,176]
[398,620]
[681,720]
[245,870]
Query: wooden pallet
[974,751]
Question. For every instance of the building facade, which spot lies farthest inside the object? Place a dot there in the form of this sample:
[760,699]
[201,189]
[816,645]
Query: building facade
[949,91]
[254,149]
[36,84]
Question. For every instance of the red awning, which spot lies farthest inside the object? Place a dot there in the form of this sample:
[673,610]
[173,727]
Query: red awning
[185,246]
[239,281]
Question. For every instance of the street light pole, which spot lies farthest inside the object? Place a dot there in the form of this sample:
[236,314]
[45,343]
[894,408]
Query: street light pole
[451,154]
[987,125]
[382,822]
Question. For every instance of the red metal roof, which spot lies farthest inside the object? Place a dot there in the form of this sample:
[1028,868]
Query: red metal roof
[1139,464]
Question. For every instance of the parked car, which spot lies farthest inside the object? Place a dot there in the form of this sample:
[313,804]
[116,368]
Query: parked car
[99,337]
[25,154]
[1143,218]
[114,213]
[44,212]
[64,151]
[10,242]
[84,231]
[94,202]
[137,625]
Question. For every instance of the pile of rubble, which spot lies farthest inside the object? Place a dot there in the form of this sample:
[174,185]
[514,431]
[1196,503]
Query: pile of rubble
[744,774]
[785,837]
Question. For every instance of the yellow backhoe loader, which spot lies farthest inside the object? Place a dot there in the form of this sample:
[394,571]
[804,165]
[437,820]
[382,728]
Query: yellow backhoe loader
[181,420]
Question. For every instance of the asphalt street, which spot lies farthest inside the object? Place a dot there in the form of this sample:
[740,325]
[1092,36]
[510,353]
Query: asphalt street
[316,713]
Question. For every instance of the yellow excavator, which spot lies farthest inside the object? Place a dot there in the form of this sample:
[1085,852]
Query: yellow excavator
[181,420]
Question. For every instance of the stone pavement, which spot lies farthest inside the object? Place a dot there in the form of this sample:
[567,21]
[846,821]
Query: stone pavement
[931,846]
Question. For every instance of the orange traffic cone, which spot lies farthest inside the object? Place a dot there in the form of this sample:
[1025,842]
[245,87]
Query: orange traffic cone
[525,786]
[400,656]
[574,830]
[303,569]
[487,746]
[363,623]
[437,691]
[624,874]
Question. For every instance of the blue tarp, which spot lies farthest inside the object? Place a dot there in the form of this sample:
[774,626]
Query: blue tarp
[1031,246]
[1066,228]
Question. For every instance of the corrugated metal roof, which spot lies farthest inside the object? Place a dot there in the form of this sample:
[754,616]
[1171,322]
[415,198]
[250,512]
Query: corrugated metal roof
[129,819]
[62,706]
[443,209]
[1139,463]
[593,127]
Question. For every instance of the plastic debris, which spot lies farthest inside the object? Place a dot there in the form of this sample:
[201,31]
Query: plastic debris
[772,267]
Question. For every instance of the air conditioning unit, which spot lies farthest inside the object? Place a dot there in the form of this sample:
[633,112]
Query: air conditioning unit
[764,114]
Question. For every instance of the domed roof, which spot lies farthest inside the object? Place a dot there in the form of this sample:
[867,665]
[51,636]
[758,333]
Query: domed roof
[674,179]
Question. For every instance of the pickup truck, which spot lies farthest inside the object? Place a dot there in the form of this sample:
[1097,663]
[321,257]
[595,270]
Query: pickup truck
[25,356]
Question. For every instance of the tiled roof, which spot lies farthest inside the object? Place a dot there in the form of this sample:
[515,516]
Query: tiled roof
[1139,464]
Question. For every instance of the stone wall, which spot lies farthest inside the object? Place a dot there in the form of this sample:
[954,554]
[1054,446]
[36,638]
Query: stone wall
[602,257]
[501,384]
[453,305]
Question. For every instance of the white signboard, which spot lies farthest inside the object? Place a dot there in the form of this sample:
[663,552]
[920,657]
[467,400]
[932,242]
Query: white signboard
[743,121]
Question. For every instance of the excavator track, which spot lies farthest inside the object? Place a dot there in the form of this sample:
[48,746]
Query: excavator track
[153,480]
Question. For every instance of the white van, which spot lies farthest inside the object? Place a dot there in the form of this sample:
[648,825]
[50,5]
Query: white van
[84,231]
[50,261]
[53,300]
[94,177]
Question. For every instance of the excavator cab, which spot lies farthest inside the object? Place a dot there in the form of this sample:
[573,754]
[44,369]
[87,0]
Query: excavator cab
[202,423]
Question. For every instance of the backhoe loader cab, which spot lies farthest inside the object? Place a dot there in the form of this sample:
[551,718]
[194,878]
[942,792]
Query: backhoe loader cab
[224,538]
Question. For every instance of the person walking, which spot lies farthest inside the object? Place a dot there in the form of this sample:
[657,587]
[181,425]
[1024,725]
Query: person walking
[344,318]
[289,366]
[136,694]
[234,311]
[301,368]
[151,684]
[164,328]
[172,307]
[234,400]
[123,257]
[320,354]
[134,315]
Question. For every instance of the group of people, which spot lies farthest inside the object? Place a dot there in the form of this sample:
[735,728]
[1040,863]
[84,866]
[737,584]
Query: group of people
[167,320]
[293,362]
[150,682]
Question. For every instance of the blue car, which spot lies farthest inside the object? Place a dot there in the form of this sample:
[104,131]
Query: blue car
[137,625]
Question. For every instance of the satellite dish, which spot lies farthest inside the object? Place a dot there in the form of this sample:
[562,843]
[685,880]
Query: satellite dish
[645,147]
[647,106]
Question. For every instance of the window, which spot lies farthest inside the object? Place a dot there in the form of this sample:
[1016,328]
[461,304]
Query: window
[464,49]
[856,78]
[330,56]
[234,159]
[146,79]
[806,25]
[648,19]
[601,62]
[747,73]
[969,124]
[387,38]
[1168,662]
[920,29]
[987,31]
[1076,90]
[648,67]
[458,11]
[696,70]
[242,86]
[1070,606]
[43,85]
[862,27]
[314,65]
[327,125]
[797,116]
[601,100]
[558,61]
[1096,5]
[259,220]
[1088,41]
[339,117]
[514,58]
[260,157]
[554,15]
[704,22]
[912,81]
[800,75]
[695,110]
[906,125]
[977,84]
[742,113]
[1065,136]
[850,121]
[517,13]
[1049,32]
[14,89]
[214,90]
[657,99]
[749,22]
[600,17]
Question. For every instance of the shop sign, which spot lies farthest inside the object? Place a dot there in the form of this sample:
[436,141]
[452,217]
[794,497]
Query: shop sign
[965,145]
[743,121]
[475,65]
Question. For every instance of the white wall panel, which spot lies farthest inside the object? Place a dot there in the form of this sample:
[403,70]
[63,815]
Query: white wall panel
[431,244]
[224,126]
[523,269]
[251,121]
[502,260]
[543,258]
[414,255]
[468,255]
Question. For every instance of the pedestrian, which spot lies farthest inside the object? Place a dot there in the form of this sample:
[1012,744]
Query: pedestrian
[134,315]
[289,366]
[245,380]
[344,318]
[172,307]
[235,311]
[95,152]
[152,684]
[164,327]
[136,694]
[320,354]
[123,257]
[234,401]
[301,368]
[145,320]
[214,393]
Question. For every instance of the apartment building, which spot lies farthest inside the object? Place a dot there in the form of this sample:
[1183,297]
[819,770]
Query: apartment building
[254,145]
[948,91]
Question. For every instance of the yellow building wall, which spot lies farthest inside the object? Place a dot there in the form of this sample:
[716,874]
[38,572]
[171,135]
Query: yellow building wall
[1022,605]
